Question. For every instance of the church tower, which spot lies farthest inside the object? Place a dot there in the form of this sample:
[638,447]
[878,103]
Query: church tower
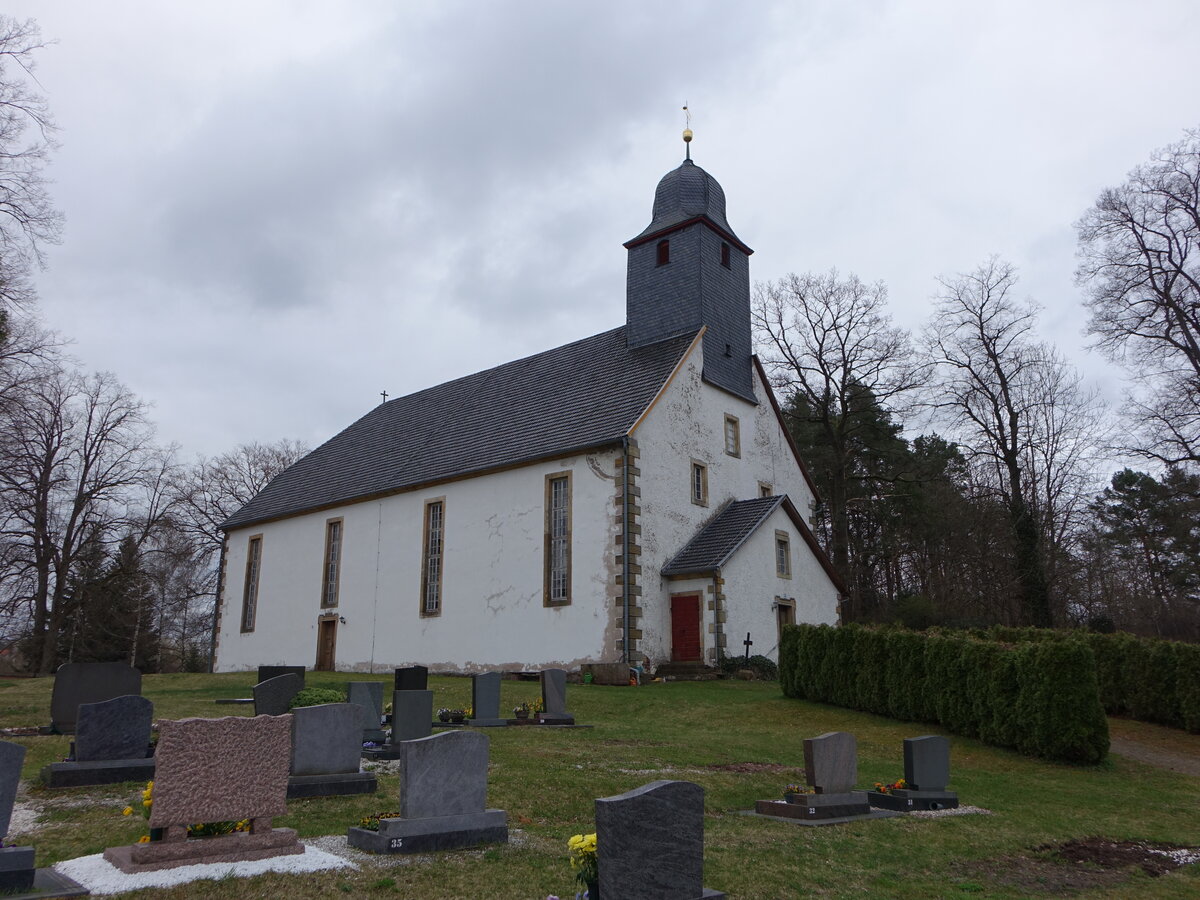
[687,269]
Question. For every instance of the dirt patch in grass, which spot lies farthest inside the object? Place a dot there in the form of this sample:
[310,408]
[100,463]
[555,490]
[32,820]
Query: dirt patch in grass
[1079,865]
[751,767]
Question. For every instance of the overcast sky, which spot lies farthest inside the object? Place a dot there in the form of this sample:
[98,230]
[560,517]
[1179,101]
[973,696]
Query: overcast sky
[276,210]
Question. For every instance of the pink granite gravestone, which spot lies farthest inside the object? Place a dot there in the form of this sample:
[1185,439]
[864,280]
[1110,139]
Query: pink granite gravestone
[217,770]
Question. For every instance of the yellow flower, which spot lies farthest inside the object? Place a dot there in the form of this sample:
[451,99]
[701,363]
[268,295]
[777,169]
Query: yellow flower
[127,811]
[146,802]
[144,839]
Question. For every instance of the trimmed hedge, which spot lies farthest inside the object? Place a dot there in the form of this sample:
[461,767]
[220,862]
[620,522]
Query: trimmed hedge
[1040,697]
[1147,679]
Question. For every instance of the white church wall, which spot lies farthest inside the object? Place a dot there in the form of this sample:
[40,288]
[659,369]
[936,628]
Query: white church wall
[492,611]
[687,425]
[753,586]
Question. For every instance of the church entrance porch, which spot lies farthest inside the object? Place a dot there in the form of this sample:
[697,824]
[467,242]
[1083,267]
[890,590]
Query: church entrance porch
[685,628]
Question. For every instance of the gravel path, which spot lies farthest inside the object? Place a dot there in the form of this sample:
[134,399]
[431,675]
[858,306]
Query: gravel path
[1155,756]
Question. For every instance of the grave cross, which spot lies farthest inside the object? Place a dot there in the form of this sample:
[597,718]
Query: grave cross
[748,644]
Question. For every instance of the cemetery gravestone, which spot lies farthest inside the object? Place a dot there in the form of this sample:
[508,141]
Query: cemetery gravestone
[112,744]
[412,678]
[650,842]
[926,774]
[76,683]
[368,696]
[412,715]
[271,697]
[266,673]
[443,799]
[326,752]
[16,863]
[554,698]
[485,700]
[217,770]
[831,769]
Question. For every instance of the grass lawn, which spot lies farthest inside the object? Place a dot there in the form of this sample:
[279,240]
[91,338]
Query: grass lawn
[741,741]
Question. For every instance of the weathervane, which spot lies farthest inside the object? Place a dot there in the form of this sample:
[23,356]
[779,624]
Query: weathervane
[687,131]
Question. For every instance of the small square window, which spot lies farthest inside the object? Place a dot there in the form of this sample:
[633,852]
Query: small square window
[765,489]
[733,436]
[699,483]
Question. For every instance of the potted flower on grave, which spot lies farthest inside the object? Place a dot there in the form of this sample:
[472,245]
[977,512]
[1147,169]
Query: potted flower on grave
[202,829]
[521,711]
[443,714]
[457,716]
[793,793]
[898,785]
[582,850]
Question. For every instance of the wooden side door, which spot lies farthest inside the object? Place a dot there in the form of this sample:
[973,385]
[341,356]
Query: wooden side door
[326,644]
[685,628]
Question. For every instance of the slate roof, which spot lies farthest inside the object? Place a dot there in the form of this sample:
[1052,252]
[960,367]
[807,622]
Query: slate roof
[585,394]
[682,195]
[717,541]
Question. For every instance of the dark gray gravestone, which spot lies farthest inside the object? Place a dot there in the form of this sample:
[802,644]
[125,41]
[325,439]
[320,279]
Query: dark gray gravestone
[12,756]
[16,863]
[326,739]
[485,700]
[443,798]
[271,697]
[927,762]
[412,715]
[554,698]
[266,673]
[412,678]
[831,762]
[76,683]
[368,696]
[113,729]
[650,842]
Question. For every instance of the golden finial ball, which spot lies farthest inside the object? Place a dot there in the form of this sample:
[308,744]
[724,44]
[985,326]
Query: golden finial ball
[687,135]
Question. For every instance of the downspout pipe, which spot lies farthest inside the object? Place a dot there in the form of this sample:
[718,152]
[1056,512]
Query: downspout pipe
[717,631]
[625,535]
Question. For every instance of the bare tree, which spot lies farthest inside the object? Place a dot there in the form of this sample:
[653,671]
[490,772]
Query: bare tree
[27,218]
[76,451]
[1019,412]
[1139,249]
[830,341]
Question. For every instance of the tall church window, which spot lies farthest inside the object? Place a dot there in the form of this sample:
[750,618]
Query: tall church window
[558,539]
[250,590]
[664,253]
[733,436]
[333,563]
[783,555]
[699,483]
[432,557]
[725,254]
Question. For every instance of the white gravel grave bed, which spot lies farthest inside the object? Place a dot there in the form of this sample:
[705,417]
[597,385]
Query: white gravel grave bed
[102,877]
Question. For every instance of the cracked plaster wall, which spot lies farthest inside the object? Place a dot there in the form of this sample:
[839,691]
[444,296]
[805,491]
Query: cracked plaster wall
[492,610]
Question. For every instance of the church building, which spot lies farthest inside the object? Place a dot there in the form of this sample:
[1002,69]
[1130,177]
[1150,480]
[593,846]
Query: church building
[632,496]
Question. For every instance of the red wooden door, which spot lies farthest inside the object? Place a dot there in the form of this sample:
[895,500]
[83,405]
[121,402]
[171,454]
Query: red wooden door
[685,628]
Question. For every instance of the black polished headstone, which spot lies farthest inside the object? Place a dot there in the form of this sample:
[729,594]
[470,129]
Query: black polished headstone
[412,678]
[76,683]
[368,696]
[485,700]
[554,698]
[412,715]
[927,762]
[113,729]
[650,842]
[265,673]
[12,756]
[272,697]
[326,739]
